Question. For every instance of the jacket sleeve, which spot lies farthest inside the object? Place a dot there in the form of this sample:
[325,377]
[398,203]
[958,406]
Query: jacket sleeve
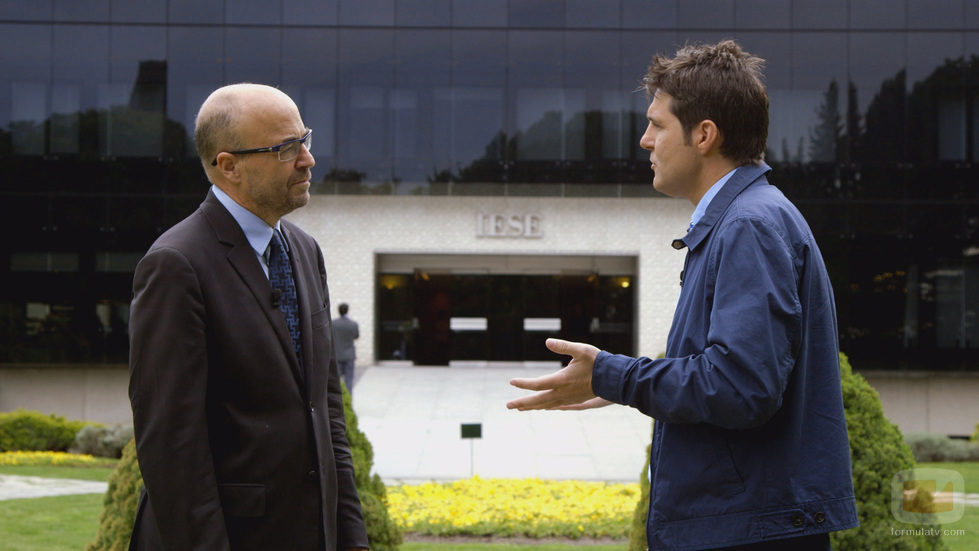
[738,379]
[168,382]
[352,532]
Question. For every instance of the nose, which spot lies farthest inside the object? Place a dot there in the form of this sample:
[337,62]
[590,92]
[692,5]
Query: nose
[305,158]
[646,141]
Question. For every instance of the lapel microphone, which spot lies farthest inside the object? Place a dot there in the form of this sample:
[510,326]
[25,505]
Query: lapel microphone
[276,298]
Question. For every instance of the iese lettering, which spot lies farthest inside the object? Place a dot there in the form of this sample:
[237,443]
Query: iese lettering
[508,225]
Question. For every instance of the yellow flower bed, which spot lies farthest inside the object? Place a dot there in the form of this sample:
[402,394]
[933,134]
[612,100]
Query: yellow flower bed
[515,507]
[49,458]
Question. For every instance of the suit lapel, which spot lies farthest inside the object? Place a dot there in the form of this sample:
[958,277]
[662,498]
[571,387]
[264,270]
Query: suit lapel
[302,271]
[242,258]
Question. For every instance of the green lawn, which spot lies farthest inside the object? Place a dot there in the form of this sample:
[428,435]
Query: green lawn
[970,522]
[48,471]
[49,523]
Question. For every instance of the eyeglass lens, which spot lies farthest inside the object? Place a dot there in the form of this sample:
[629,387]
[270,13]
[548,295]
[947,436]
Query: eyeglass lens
[291,151]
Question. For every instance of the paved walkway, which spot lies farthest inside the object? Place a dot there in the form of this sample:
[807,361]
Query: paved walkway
[17,487]
[413,416]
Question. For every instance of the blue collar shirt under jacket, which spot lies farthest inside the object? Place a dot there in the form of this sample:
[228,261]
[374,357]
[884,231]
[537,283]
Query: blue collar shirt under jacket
[750,441]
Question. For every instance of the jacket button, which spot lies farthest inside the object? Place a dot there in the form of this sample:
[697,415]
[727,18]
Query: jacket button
[819,518]
[311,475]
[797,521]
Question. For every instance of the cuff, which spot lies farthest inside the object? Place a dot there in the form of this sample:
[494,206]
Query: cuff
[606,376]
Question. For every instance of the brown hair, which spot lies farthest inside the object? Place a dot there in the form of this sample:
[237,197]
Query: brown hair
[722,83]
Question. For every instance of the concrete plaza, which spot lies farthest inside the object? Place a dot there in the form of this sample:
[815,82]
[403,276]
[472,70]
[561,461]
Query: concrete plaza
[413,418]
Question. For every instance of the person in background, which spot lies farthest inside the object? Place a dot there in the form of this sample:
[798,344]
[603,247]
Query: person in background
[345,332]
[236,398]
[750,447]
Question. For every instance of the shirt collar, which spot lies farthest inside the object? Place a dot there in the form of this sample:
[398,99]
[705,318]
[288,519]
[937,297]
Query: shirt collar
[257,232]
[738,180]
[698,212]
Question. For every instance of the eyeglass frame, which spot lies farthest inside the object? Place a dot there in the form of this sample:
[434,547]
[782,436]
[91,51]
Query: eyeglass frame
[272,148]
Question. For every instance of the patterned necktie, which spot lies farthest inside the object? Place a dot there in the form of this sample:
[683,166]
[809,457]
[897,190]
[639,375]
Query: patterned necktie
[280,276]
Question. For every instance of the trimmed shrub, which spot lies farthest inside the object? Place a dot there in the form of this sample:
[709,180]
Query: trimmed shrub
[383,533]
[877,453]
[102,441]
[119,512]
[637,532]
[121,499]
[24,430]
[928,447]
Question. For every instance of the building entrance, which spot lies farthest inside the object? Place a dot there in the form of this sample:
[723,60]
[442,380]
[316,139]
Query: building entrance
[435,316]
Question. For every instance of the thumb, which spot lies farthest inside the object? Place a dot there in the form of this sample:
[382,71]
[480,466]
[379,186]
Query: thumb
[559,346]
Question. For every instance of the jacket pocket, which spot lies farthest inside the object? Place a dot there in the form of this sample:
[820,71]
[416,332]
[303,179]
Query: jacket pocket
[242,500]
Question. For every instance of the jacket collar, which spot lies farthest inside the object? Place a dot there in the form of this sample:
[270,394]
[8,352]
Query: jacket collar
[742,178]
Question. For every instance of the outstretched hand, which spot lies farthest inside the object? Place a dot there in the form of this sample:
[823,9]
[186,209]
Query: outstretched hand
[567,388]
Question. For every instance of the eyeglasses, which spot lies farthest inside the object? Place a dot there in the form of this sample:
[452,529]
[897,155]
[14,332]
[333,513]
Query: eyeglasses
[287,151]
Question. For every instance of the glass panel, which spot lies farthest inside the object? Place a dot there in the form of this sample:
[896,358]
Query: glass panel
[138,75]
[195,12]
[636,14]
[138,11]
[80,77]
[878,14]
[424,64]
[592,13]
[39,10]
[536,13]
[191,77]
[310,12]
[366,78]
[436,13]
[311,83]
[479,13]
[762,14]
[814,107]
[877,73]
[367,12]
[73,10]
[819,14]
[253,55]
[253,12]
[396,318]
[705,14]
[928,14]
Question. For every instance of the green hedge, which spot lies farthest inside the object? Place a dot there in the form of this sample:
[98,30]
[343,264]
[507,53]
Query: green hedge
[119,512]
[877,452]
[23,430]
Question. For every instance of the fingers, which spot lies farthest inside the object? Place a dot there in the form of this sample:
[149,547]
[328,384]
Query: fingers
[544,382]
[594,403]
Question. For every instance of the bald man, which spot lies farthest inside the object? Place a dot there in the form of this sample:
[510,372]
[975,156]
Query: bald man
[233,375]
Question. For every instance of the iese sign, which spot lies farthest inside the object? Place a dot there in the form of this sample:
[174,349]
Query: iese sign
[527,226]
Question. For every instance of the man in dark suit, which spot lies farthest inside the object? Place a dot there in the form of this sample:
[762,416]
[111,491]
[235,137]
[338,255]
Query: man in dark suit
[345,332]
[234,385]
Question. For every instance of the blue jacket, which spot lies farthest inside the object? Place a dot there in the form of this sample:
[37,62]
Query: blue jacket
[750,440]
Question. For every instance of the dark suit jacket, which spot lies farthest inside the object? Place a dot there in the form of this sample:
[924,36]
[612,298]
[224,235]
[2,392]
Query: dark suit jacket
[237,447]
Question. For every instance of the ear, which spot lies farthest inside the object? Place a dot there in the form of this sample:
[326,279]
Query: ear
[707,137]
[229,166]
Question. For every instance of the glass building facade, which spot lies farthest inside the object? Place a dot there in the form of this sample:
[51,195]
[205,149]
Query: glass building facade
[874,134]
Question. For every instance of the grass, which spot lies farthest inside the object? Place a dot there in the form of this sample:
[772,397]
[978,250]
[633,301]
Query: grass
[49,523]
[49,471]
[970,522]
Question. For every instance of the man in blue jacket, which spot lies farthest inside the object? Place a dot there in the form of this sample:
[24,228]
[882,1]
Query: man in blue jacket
[750,449]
